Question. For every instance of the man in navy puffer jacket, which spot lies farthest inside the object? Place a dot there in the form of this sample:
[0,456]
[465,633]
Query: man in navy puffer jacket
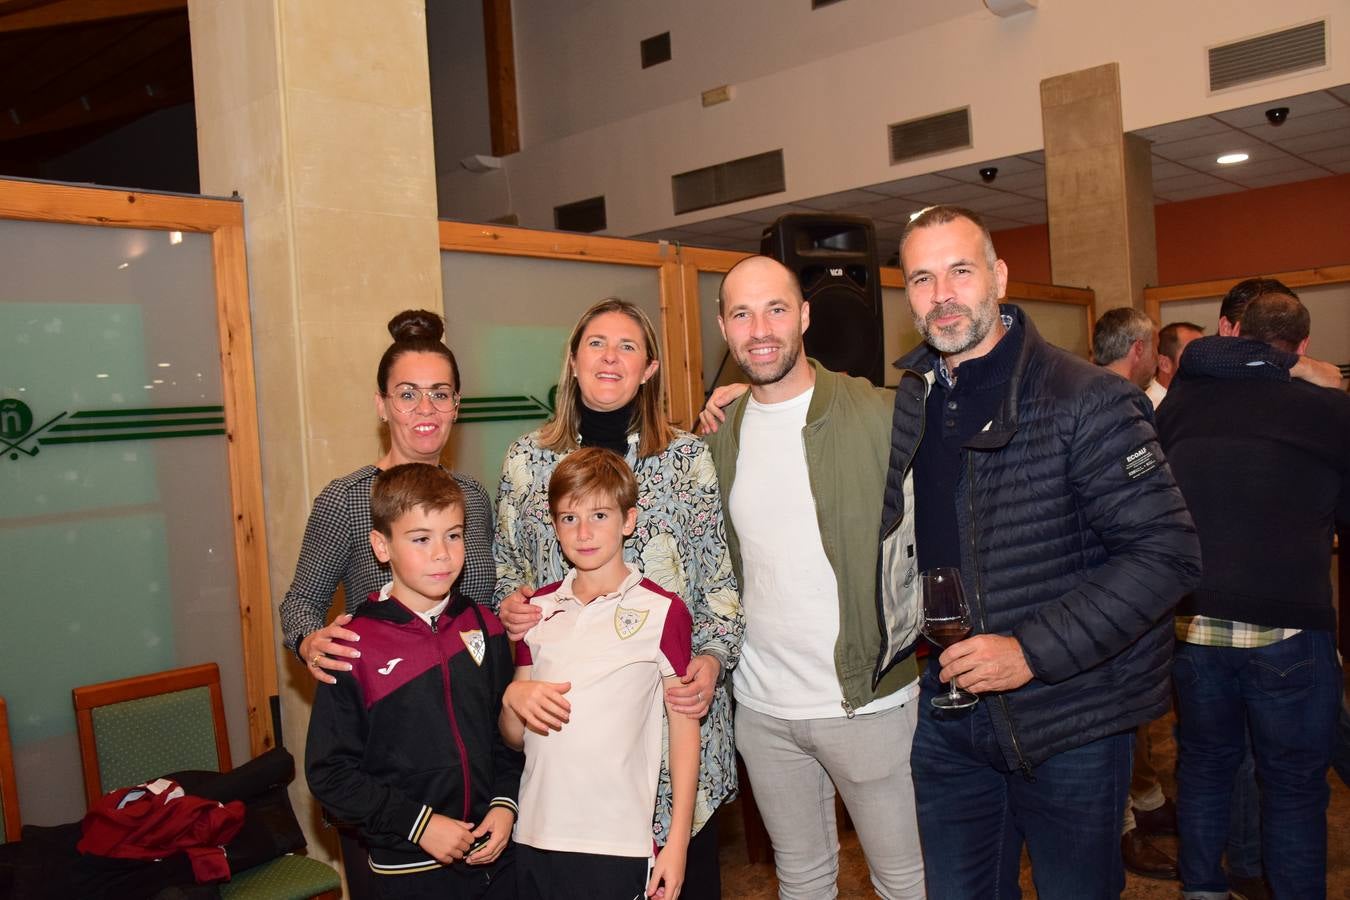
[1039,475]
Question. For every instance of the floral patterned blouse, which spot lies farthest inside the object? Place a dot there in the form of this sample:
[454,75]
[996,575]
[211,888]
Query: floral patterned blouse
[679,543]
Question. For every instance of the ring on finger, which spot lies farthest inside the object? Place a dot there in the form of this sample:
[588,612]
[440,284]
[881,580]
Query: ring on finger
[314,661]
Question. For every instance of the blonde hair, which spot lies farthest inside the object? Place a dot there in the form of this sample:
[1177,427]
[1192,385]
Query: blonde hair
[655,432]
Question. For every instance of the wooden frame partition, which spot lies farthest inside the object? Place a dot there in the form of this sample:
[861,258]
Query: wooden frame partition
[9,788]
[1155,297]
[223,220]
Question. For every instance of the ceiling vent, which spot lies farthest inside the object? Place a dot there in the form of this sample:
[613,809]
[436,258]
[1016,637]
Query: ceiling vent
[584,215]
[929,135]
[1259,58]
[740,179]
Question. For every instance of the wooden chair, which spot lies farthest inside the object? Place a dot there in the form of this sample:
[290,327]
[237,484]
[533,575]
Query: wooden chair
[136,729]
[10,824]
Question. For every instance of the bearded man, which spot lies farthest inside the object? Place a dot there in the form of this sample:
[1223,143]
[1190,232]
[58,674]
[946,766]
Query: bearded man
[1039,476]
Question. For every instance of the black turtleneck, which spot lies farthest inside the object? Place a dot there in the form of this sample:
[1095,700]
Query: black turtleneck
[952,415]
[607,429]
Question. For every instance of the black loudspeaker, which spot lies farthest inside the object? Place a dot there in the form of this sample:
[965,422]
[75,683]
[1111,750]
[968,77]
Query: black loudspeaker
[835,258]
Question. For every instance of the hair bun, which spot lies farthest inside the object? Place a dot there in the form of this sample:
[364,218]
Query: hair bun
[416,325]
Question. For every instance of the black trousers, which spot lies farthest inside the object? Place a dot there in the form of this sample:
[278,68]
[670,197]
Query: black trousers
[457,882]
[703,867]
[559,875]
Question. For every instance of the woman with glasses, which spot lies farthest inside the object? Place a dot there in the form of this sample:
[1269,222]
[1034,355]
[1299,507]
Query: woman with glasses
[417,397]
[609,395]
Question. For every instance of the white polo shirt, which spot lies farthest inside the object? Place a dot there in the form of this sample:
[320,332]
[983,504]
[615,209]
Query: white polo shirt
[591,787]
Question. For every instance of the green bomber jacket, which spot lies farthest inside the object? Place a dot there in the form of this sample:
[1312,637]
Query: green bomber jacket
[847,439]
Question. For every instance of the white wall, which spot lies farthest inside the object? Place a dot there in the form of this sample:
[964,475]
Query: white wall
[823,86]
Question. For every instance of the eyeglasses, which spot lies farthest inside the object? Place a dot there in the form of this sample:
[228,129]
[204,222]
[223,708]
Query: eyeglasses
[406,399]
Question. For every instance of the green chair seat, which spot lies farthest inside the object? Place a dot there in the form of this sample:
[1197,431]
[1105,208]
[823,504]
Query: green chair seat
[287,878]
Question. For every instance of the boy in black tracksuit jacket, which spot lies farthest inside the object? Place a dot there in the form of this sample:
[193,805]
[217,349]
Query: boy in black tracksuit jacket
[405,745]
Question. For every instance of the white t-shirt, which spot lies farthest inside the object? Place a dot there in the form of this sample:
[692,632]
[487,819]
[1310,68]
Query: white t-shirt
[591,787]
[789,590]
[1156,392]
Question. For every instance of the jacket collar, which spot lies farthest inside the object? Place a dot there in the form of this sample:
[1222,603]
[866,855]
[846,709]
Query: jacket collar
[384,607]
[924,360]
[825,389]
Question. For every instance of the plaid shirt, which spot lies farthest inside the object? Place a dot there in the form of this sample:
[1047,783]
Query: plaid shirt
[1211,632]
[336,548]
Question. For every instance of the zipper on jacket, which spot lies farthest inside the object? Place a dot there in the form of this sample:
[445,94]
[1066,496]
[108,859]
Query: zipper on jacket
[909,461]
[454,723]
[811,489]
[979,599]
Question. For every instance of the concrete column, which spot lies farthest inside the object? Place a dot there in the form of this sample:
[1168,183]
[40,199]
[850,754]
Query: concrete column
[318,113]
[1099,190]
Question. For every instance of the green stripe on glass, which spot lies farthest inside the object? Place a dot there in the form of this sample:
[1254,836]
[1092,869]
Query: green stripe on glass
[164,411]
[136,436]
[140,423]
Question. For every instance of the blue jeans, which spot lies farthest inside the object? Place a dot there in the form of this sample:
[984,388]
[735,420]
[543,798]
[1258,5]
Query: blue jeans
[1243,851]
[1286,696]
[974,815]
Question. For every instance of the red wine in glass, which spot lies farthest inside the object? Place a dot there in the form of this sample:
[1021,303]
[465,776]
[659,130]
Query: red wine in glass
[946,620]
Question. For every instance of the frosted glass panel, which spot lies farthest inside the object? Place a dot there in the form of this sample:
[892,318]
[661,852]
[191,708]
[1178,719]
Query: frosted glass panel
[507,320]
[1062,324]
[115,522]
[718,367]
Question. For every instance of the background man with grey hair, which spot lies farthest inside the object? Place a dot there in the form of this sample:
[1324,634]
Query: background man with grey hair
[1122,342]
[1125,341]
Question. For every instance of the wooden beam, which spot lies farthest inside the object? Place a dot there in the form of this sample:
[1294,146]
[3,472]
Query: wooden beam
[499,42]
[244,458]
[30,17]
[550,244]
[1199,290]
[36,202]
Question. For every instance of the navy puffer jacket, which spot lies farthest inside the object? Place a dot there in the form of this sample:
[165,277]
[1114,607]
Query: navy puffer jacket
[1075,540]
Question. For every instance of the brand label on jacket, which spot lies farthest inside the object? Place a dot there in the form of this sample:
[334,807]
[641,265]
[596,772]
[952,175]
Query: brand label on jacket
[1139,462]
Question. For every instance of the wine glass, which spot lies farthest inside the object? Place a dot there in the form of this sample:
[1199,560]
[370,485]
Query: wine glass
[946,620]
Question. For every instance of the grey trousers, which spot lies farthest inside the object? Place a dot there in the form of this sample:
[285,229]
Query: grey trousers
[795,767]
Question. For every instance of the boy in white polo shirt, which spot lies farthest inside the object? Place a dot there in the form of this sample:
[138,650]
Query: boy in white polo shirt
[587,702]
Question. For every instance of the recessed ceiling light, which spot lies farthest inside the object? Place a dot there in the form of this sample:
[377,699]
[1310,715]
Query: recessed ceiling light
[1229,159]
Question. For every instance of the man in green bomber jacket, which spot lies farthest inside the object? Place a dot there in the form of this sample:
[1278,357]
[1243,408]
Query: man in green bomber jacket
[802,466]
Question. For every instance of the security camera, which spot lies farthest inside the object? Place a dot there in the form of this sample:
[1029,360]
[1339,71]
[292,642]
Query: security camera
[989,173]
[1277,115]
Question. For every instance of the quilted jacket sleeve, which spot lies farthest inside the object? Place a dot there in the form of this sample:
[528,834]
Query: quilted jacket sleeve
[1126,495]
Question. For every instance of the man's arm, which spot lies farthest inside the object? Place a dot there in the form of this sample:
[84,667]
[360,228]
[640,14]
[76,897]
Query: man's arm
[1125,493]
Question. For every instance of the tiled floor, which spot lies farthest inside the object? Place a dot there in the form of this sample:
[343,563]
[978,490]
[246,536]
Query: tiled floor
[741,879]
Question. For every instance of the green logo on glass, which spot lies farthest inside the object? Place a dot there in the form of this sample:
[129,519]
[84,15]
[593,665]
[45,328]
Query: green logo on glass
[19,437]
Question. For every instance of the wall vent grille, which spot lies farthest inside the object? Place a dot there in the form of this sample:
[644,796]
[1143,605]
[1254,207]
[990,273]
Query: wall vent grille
[584,215]
[739,179]
[1259,58]
[655,50]
[929,135]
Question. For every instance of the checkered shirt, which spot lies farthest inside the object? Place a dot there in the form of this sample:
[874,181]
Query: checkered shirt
[336,549]
[1210,632]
